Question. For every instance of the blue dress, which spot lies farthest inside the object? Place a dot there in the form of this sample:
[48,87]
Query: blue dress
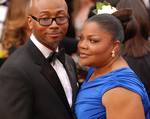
[89,105]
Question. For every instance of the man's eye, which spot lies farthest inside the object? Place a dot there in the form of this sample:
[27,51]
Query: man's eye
[61,18]
[45,19]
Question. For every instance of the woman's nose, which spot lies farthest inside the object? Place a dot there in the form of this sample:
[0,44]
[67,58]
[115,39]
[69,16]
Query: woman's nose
[82,44]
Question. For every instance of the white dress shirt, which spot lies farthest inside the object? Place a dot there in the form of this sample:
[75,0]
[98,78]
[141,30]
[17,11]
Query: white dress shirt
[58,67]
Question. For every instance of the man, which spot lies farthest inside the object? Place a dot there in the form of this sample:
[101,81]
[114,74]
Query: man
[31,87]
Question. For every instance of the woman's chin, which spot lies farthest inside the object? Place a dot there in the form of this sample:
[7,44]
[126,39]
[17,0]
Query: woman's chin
[83,63]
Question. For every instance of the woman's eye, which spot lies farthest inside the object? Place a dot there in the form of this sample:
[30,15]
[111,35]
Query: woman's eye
[78,38]
[93,41]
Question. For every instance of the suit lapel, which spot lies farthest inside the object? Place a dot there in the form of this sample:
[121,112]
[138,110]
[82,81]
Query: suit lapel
[49,73]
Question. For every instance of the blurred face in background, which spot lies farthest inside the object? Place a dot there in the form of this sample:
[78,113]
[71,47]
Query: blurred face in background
[49,35]
[85,3]
[95,45]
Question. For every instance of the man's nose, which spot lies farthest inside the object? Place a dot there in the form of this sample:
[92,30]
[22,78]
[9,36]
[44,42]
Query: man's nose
[54,24]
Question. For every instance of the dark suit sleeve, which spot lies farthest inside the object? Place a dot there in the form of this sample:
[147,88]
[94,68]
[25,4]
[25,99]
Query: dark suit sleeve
[15,94]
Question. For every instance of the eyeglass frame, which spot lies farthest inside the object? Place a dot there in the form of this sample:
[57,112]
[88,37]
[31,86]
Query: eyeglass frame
[52,19]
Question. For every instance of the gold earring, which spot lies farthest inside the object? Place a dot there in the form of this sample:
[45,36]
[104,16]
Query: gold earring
[113,54]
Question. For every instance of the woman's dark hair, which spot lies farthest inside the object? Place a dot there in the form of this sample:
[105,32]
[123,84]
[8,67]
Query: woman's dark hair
[137,44]
[128,21]
[111,24]
[140,13]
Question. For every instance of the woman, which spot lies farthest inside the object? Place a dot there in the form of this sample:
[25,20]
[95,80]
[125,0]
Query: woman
[111,90]
[16,31]
[137,46]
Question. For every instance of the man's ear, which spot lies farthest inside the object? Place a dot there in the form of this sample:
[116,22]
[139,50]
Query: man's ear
[30,22]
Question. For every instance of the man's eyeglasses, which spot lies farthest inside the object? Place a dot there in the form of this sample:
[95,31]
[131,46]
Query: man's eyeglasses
[48,21]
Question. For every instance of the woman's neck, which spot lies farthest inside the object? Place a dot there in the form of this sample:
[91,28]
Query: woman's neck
[112,65]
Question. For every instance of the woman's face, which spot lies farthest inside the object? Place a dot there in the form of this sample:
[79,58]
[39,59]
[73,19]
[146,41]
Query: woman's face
[95,45]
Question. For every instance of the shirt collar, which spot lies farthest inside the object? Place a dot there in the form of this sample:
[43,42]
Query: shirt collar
[44,50]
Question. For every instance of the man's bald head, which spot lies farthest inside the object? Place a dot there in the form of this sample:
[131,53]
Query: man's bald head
[34,4]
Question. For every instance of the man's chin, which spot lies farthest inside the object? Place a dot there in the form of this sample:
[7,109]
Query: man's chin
[54,38]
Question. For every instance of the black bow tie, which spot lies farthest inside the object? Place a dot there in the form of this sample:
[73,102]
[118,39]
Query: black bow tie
[57,55]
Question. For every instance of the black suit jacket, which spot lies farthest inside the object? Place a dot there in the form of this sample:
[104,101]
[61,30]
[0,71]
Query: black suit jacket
[30,87]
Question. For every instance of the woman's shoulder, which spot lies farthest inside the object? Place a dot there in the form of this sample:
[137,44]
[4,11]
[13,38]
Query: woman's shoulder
[125,78]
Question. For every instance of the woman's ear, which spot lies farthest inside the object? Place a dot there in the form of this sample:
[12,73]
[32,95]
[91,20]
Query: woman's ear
[30,22]
[117,44]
